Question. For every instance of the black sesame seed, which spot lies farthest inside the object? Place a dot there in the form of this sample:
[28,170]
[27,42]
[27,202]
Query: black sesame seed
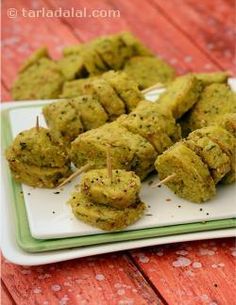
[56,193]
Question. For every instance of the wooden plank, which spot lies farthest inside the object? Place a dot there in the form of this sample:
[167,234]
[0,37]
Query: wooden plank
[5,95]
[209,24]
[195,273]
[148,24]
[6,298]
[88,27]
[105,280]
[22,35]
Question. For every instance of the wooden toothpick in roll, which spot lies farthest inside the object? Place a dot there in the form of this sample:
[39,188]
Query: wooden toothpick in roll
[37,123]
[156,86]
[76,173]
[168,178]
[109,163]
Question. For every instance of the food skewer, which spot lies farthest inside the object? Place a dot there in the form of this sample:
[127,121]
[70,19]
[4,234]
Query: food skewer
[156,86]
[37,123]
[163,181]
[75,174]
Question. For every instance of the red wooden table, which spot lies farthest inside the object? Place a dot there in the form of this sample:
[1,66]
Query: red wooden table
[193,36]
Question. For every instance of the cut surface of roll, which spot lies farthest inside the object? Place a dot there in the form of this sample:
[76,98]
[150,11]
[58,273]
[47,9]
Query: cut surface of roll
[120,192]
[128,151]
[125,87]
[147,71]
[36,176]
[70,117]
[36,160]
[181,94]
[212,77]
[228,122]
[215,101]
[103,216]
[227,143]
[192,181]
[152,122]
[36,147]
[106,95]
[212,155]
[40,80]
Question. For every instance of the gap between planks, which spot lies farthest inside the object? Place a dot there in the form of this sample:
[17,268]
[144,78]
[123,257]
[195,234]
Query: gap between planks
[147,279]
[6,297]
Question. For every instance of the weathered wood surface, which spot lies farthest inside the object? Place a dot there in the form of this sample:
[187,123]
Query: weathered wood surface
[6,298]
[202,272]
[110,279]
[148,24]
[195,273]
[210,25]
[22,35]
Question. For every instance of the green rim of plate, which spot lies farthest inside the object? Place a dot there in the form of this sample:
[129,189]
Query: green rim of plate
[28,243]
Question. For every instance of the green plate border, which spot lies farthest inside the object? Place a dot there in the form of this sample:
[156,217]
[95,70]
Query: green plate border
[28,243]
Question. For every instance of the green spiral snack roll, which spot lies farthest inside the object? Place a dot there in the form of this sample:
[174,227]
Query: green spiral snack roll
[147,71]
[39,78]
[35,159]
[215,101]
[103,216]
[211,153]
[228,122]
[125,87]
[129,151]
[108,98]
[68,118]
[181,95]
[227,143]
[212,78]
[191,176]
[154,123]
[120,190]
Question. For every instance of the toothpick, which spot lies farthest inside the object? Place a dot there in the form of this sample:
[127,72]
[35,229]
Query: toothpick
[37,123]
[168,178]
[109,165]
[156,86]
[76,173]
